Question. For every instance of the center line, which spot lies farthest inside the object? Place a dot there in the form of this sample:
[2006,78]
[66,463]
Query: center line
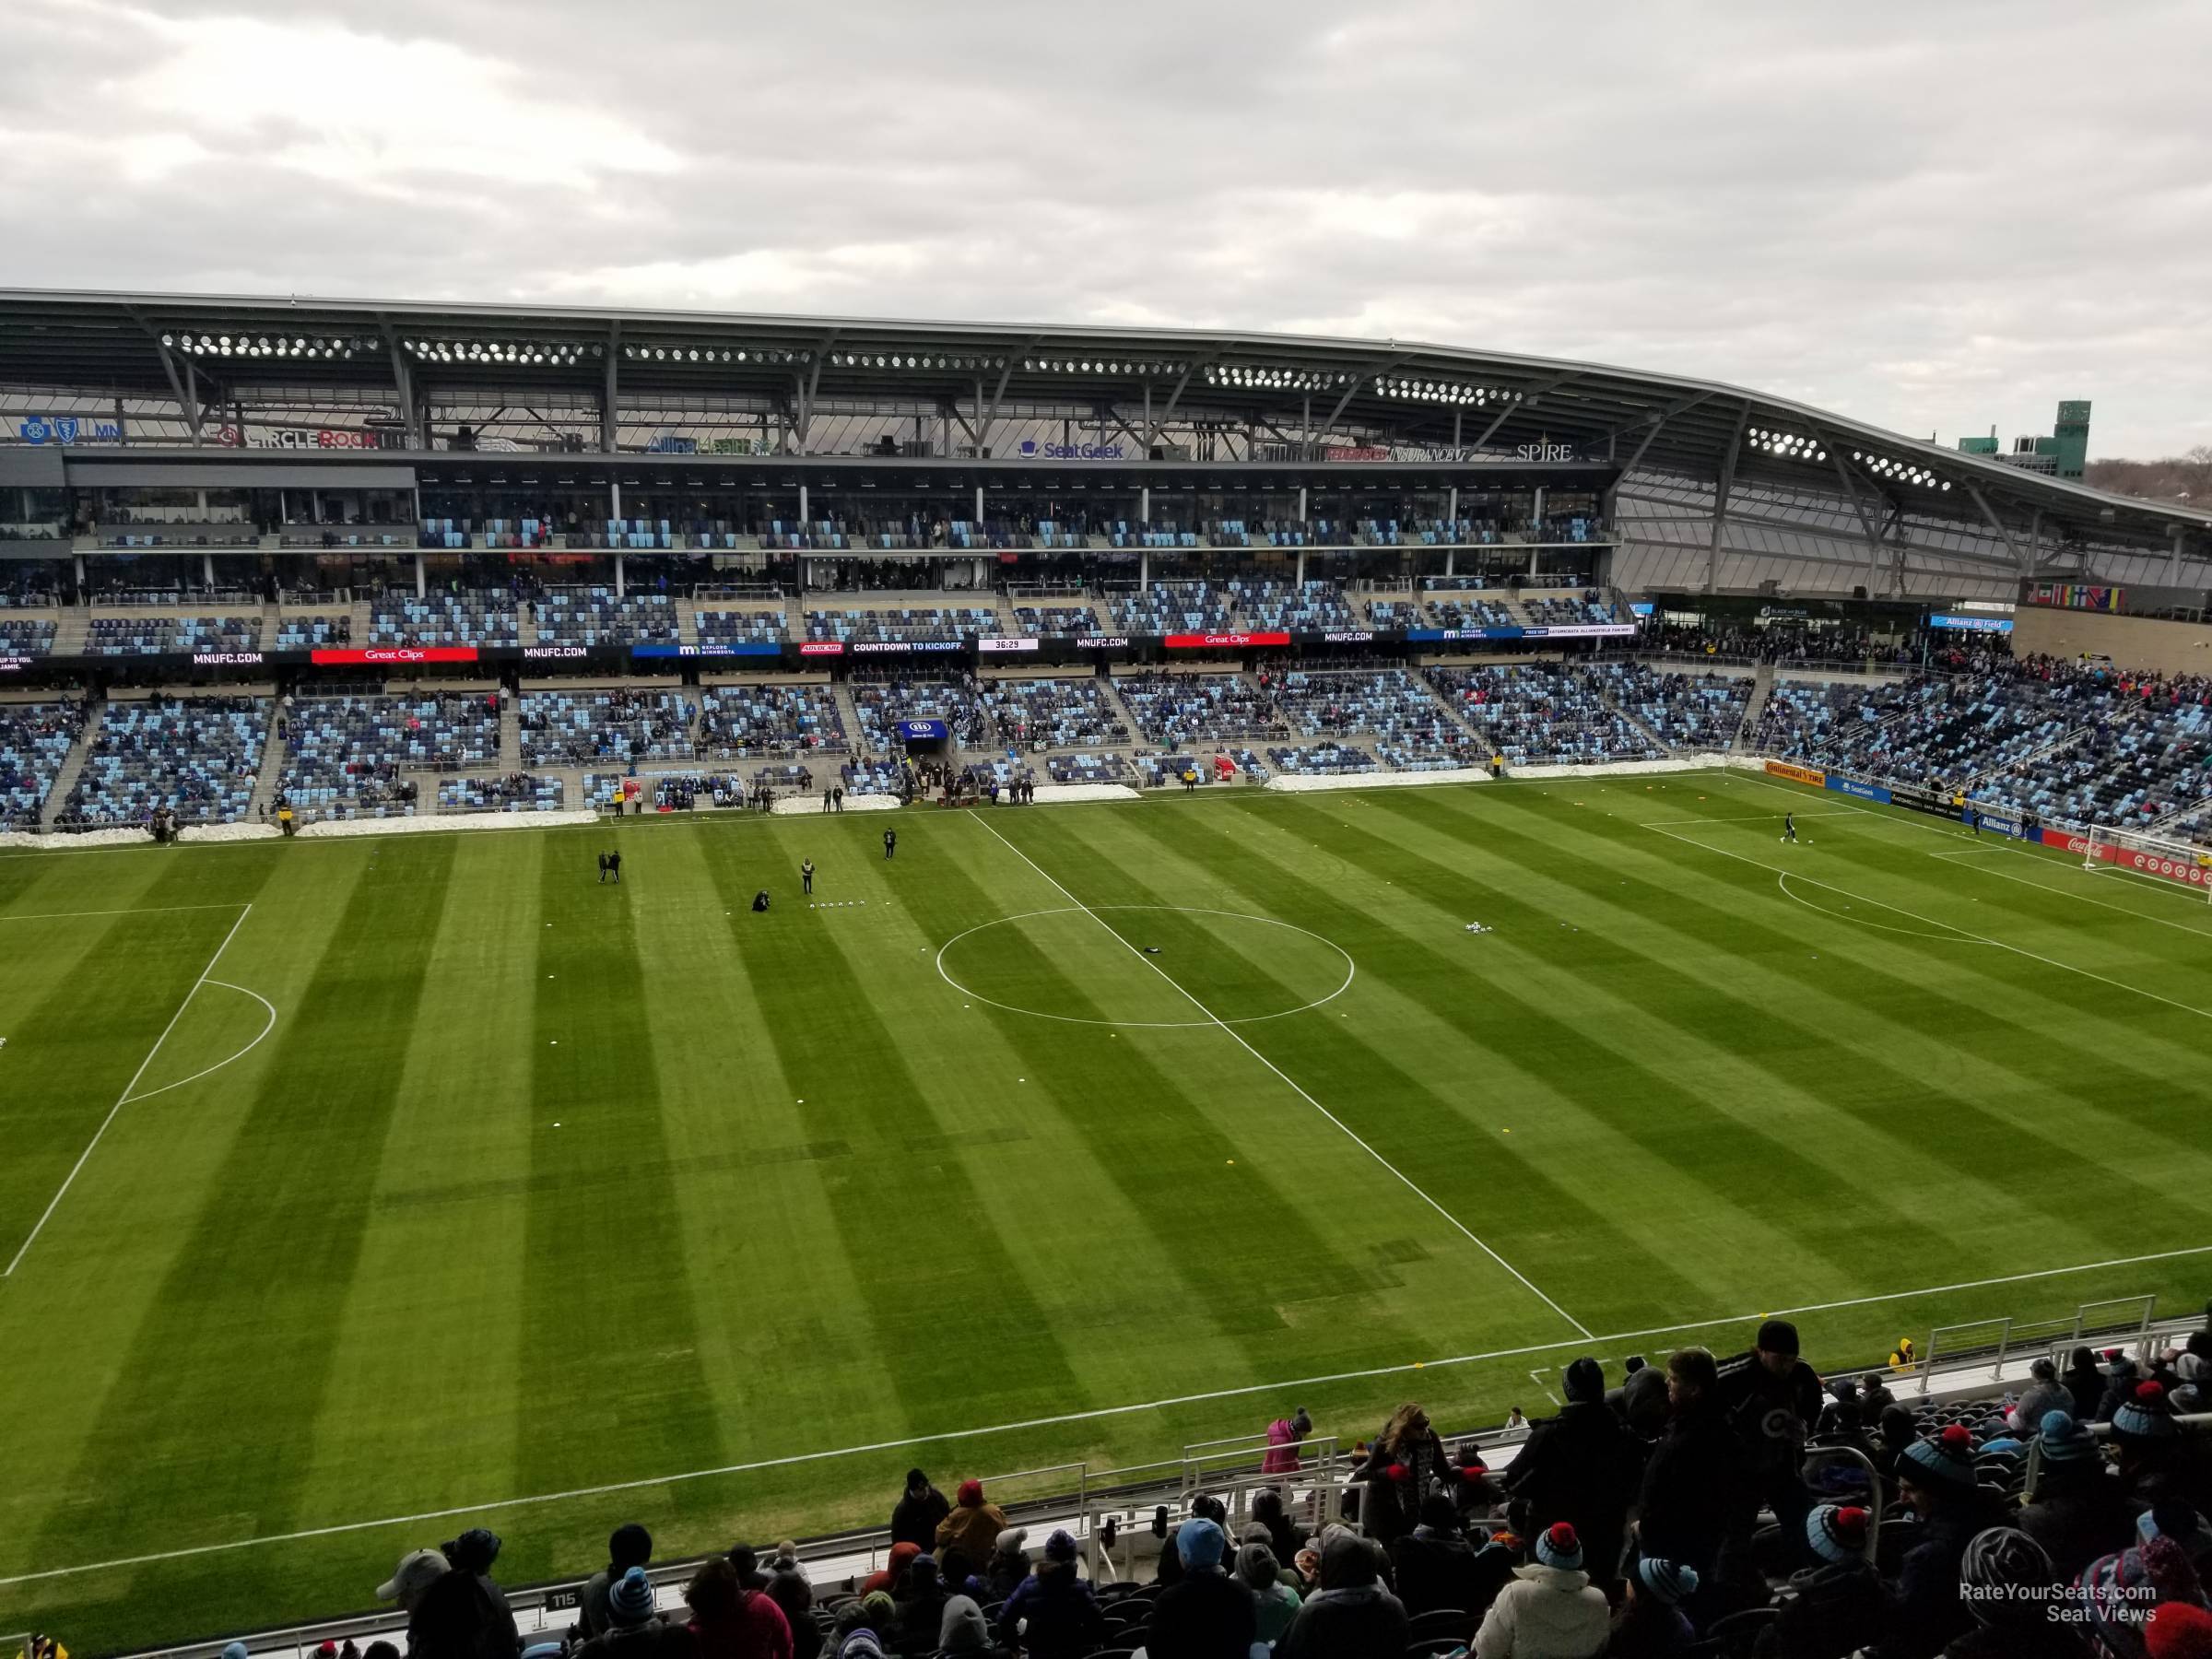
[1238,1038]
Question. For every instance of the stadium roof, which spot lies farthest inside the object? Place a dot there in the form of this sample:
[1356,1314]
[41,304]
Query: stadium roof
[1403,392]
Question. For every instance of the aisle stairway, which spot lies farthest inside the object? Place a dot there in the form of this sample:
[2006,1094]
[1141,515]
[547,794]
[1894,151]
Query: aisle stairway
[71,763]
[1762,688]
[272,764]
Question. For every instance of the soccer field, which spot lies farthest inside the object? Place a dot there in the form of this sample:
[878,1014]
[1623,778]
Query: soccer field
[400,1175]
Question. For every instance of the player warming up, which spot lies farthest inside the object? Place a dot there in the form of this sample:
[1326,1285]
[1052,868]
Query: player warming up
[891,843]
[1789,826]
[807,875]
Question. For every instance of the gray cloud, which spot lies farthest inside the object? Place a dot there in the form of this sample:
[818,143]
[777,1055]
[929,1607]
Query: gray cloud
[1936,217]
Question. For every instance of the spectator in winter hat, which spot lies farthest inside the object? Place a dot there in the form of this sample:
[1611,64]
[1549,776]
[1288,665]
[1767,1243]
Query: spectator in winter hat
[921,1597]
[2010,1592]
[1284,1437]
[2188,1529]
[2178,1630]
[973,1526]
[1009,1562]
[634,1630]
[1581,1467]
[1549,1608]
[920,1508]
[1351,1615]
[629,1545]
[2155,1464]
[1935,1479]
[1771,1399]
[2120,1380]
[2079,1509]
[1650,1623]
[962,1628]
[1835,1607]
[1208,1615]
[2118,1592]
[2045,1395]
[1051,1614]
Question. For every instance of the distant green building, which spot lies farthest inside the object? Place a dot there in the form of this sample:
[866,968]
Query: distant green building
[2062,455]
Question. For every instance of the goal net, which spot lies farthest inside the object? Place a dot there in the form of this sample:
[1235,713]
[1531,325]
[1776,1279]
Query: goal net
[2153,857]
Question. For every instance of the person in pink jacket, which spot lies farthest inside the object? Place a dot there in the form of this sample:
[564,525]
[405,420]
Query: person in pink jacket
[1284,1437]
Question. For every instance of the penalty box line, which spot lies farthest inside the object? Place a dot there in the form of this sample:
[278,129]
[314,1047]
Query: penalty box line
[1094,1414]
[122,1099]
[1238,1037]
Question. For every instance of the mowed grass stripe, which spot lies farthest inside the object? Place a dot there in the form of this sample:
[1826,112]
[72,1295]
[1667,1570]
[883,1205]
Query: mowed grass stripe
[251,1300]
[1892,987]
[832,1040]
[1147,1106]
[1703,1164]
[412,1341]
[612,1387]
[2018,1035]
[1501,1196]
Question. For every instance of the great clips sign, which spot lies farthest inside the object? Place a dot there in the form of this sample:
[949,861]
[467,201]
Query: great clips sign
[1223,642]
[398,654]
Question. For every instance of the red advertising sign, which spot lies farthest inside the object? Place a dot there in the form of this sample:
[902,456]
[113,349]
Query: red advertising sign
[2194,871]
[823,648]
[398,654]
[1200,641]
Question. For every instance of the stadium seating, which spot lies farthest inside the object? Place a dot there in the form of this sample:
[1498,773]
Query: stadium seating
[1394,613]
[1049,621]
[510,791]
[737,721]
[344,755]
[739,627]
[156,634]
[35,738]
[595,617]
[1555,613]
[1059,714]
[472,617]
[1307,606]
[573,728]
[1322,759]
[1087,768]
[2138,764]
[1686,711]
[1465,611]
[198,756]
[22,637]
[1174,709]
[1541,713]
[1802,716]
[1415,730]
[309,633]
[882,703]
[919,623]
[867,777]
[1173,608]
[1965,726]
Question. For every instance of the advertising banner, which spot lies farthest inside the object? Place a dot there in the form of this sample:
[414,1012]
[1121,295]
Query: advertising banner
[1200,642]
[895,647]
[766,648]
[228,659]
[2000,823]
[923,731]
[1580,630]
[1796,774]
[2193,872]
[1927,801]
[822,648]
[396,653]
[1102,642]
[1852,786]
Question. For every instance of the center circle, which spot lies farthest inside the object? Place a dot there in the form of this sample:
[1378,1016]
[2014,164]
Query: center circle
[1142,965]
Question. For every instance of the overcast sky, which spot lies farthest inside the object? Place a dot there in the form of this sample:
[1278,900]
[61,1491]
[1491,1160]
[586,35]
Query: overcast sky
[1933,216]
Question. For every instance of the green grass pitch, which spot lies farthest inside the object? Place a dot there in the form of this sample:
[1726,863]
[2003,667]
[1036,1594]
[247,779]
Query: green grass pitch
[1070,1134]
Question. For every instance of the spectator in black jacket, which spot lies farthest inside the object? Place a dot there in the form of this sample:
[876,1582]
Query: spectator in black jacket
[628,1545]
[2081,1511]
[920,1508]
[1053,1614]
[1405,1465]
[1435,1562]
[1692,1483]
[1581,1467]
[2120,1380]
[1641,1400]
[1771,1399]
[1834,1608]
[2085,1382]
[1936,1477]
[1208,1615]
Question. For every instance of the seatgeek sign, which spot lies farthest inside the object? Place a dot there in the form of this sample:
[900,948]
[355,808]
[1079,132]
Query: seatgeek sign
[1031,450]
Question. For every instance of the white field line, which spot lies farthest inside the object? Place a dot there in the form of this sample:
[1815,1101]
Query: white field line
[2155,883]
[78,1167]
[2079,898]
[151,909]
[2020,950]
[267,1026]
[1238,1038]
[1092,1414]
[1762,817]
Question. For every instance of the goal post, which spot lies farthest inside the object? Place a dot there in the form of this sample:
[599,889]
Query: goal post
[2155,857]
